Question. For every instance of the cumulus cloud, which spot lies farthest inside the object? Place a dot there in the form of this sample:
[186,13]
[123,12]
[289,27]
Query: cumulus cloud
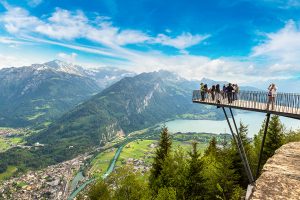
[281,48]
[63,24]
[17,19]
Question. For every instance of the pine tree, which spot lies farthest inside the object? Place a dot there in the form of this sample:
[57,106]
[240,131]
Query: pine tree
[99,191]
[274,139]
[162,152]
[126,184]
[212,147]
[275,136]
[227,176]
[195,179]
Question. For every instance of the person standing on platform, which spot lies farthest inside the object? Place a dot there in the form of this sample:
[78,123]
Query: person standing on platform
[271,95]
[213,92]
[202,92]
[218,93]
[233,92]
[230,92]
[224,91]
[205,91]
[237,91]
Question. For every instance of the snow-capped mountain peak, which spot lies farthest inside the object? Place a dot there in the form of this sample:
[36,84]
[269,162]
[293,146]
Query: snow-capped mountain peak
[61,66]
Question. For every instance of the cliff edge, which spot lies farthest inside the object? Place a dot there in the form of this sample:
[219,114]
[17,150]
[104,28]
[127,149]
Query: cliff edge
[280,178]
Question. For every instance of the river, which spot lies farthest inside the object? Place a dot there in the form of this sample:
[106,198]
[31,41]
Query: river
[252,119]
[79,176]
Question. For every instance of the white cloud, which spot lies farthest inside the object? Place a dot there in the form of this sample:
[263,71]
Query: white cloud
[12,61]
[282,4]
[63,27]
[34,3]
[17,19]
[11,41]
[281,49]
[182,41]
[67,25]
[64,24]
[69,58]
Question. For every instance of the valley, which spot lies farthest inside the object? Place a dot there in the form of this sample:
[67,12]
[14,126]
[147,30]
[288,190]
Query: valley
[75,131]
[137,150]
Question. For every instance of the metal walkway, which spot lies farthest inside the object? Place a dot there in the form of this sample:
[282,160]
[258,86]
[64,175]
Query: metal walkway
[285,104]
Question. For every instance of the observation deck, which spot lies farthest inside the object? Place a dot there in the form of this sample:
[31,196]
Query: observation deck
[285,104]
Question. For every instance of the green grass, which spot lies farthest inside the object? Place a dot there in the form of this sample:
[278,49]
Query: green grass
[8,173]
[3,144]
[21,184]
[138,149]
[101,162]
[7,142]
[33,117]
[16,140]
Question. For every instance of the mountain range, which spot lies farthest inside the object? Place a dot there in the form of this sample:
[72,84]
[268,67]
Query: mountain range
[39,93]
[131,104]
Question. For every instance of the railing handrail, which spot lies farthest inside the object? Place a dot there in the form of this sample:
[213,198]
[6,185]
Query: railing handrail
[264,92]
[258,100]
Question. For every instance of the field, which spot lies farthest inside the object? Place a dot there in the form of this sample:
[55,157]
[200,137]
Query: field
[10,137]
[100,164]
[8,173]
[138,149]
[140,152]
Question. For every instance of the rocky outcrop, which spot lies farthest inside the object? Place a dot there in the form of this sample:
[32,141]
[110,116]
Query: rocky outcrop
[280,178]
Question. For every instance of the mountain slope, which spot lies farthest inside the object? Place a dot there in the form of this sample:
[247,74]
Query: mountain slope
[42,92]
[130,104]
[30,96]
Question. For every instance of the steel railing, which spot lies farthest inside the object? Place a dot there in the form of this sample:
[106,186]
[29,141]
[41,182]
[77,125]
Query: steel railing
[282,102]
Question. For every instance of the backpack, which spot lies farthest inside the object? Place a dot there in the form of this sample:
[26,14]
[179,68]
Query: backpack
[270,93]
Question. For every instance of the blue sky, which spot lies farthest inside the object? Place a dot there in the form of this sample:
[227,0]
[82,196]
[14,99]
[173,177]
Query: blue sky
[243,41]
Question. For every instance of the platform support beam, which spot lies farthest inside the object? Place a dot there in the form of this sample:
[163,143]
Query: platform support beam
[248,172]
[262,144]
[243,153]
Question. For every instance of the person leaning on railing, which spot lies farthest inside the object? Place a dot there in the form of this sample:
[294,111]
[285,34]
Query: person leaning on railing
[271,95]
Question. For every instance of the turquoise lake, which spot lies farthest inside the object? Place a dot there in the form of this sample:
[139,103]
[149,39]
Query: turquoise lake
[253,120]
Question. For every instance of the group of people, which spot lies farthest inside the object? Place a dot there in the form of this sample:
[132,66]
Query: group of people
[229,91]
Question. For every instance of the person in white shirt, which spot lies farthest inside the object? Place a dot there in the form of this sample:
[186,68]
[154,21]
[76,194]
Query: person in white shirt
[272,95]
